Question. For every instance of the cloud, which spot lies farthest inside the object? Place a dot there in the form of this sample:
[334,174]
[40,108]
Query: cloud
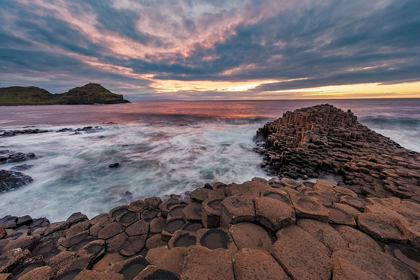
[132,45]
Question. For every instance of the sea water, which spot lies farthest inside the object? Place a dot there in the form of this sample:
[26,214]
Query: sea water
[163,148]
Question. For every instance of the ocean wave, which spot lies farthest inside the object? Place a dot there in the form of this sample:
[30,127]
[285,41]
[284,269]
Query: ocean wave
[71,170]
[390,121]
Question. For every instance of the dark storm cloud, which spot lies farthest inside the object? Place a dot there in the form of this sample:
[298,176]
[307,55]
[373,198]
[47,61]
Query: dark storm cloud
[301,44]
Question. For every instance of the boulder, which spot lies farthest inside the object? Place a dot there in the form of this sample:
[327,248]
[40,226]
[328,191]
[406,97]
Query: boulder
[13,179]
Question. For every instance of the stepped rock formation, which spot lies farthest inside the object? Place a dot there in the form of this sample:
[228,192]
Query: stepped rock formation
[322,138]
[275,229]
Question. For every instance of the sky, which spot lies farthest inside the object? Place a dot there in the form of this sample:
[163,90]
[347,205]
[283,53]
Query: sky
[214,50]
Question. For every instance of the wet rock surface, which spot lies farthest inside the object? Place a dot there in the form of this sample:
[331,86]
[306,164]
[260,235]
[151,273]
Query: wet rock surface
[10,180]
[7,156]
[260,229]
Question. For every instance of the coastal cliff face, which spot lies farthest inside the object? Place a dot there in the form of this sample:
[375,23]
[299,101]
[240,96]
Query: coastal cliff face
[323,139]
[87,94]
[266,229]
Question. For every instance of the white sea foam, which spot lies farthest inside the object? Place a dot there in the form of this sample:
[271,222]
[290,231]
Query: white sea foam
[71,172]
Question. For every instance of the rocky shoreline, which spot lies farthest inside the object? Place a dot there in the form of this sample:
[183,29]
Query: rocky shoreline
[366,227]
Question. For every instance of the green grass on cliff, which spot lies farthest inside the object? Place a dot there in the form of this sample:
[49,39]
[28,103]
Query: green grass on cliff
[87,94]
[27,96]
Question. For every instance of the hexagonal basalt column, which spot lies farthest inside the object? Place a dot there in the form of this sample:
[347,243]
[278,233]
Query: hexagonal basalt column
[237,209]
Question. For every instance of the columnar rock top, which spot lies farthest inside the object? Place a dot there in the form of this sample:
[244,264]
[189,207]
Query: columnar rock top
[324,139]
[367,227]
[276,229]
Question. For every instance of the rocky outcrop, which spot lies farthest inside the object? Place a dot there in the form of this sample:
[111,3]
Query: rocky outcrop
[277,229]
[13,179]
[10,180]
[10,133]
[7,156]
[323,139]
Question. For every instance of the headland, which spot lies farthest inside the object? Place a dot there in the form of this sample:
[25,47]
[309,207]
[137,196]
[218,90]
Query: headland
[88,94]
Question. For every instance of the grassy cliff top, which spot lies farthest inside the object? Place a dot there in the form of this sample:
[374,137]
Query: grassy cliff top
[87,94]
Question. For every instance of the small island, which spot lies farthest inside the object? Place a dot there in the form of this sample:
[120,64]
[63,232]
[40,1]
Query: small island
[87,94]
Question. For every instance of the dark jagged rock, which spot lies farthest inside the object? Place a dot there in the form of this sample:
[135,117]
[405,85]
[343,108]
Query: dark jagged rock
[87,94]
[21,167]
[7,156]
[13,179]
[114,165]
[11,133]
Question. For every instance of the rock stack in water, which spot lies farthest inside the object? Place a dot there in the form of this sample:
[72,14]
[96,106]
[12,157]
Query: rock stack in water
[277,229]
[309,141]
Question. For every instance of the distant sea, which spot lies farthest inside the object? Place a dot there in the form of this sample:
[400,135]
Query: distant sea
[163,147]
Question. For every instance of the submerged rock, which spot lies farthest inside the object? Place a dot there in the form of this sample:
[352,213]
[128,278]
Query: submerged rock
[21,167]
[11,133]
[13,179]
[7,156]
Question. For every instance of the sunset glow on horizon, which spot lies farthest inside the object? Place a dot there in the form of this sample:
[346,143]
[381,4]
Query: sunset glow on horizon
[210,50]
